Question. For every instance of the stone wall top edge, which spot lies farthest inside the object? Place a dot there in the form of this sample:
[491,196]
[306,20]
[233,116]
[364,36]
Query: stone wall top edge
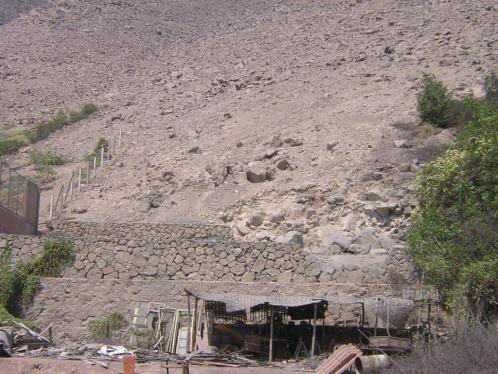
[235,243]
[186,282]
[149,224]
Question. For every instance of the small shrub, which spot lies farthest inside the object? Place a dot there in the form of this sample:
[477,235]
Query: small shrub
[491,88]
[43,162]
[472,350]
[11,143]
[434,101]
[102,329]
[85,111]
[459,113]
[19,284]
[101,143]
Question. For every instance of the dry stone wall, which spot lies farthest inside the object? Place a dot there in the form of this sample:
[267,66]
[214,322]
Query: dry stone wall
[140,231]
[70,304]
[112,257]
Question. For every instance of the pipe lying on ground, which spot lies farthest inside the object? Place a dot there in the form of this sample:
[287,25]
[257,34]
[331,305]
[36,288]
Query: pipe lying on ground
[371,364]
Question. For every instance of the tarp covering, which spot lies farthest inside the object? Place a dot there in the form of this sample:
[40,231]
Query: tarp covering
[236,302]
[394,310]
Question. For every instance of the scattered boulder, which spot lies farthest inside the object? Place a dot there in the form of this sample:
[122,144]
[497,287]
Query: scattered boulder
[331,146]
[333,235]
[167,176]
[277,216]
[294,237]
[271,152]
[283,164]
[372,196]
[256,219]
[257,174]
[385,210]
[276,141]
[195,150]
[402,144]
[293,142]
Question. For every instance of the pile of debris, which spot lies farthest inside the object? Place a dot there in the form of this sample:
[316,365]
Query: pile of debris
[19,339]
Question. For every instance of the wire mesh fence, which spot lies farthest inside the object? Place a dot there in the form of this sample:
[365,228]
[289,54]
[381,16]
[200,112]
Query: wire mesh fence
[20,197]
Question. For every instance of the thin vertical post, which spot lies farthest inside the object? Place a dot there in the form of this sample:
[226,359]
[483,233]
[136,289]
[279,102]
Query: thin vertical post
[79,180]
[102,157]
[94,165]
[270,355]
[188,327]
[314,331]
[88,175]
[195,317]
[51,208]
[71,185]
[119,139]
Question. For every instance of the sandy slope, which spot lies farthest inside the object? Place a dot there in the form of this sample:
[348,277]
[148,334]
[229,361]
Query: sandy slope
[235,78]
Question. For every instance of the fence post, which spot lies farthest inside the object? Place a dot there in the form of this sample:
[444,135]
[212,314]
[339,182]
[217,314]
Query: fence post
[51,208]
[79,180]
[94,165]
[119,139]
[71,185]
[102,157]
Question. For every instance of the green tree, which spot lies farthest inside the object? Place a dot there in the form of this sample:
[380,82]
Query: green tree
[455,239]
[434,102]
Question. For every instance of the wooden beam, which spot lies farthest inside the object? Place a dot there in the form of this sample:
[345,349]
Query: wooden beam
[188,324]
[314,331]
[270,356]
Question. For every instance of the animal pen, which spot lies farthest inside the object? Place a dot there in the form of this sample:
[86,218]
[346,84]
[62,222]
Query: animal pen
[19,202]
[277,327]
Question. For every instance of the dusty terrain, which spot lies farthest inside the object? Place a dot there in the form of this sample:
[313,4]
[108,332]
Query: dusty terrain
[318,97]
[54,366]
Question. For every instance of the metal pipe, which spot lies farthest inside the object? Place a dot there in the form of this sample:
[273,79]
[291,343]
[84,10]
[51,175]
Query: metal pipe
[371,364]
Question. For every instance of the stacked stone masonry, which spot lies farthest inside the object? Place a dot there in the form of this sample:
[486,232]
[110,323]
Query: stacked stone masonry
[70,304]
[140,231]
[124,255]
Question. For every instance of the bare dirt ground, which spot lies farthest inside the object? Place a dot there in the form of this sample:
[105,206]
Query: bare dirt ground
[54,366]
[316,92]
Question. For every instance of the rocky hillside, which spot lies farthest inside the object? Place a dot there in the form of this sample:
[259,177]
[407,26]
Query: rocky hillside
[288,120]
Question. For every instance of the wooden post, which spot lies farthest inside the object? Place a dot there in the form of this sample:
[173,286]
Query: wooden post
[51,208]
[314,331]
[188,327]
[195,316]
[94,165]
[102,157]
[79,180]
[71,185]
[270,356]
[119,139]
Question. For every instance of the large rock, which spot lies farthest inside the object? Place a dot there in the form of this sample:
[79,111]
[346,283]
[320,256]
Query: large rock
[294,237]
[257,174]
[333,235]
[284,277]
[256,219]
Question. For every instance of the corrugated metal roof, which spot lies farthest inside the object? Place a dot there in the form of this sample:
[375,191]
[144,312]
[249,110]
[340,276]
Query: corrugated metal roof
[235,302]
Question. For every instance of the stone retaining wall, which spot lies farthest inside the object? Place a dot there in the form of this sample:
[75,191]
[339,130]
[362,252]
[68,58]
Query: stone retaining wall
[70,304]
[140,231]
[118,258]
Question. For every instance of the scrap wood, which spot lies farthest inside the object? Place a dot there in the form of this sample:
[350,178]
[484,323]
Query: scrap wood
[31,332]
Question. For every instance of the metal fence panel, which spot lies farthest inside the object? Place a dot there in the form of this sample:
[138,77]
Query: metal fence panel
[20,202]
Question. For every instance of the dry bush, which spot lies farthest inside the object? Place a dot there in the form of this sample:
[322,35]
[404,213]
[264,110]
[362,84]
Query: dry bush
[426,130]
[469,351]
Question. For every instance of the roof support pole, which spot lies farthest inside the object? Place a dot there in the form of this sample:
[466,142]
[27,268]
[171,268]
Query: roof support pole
[270,356]
[188,325]
[314,331]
